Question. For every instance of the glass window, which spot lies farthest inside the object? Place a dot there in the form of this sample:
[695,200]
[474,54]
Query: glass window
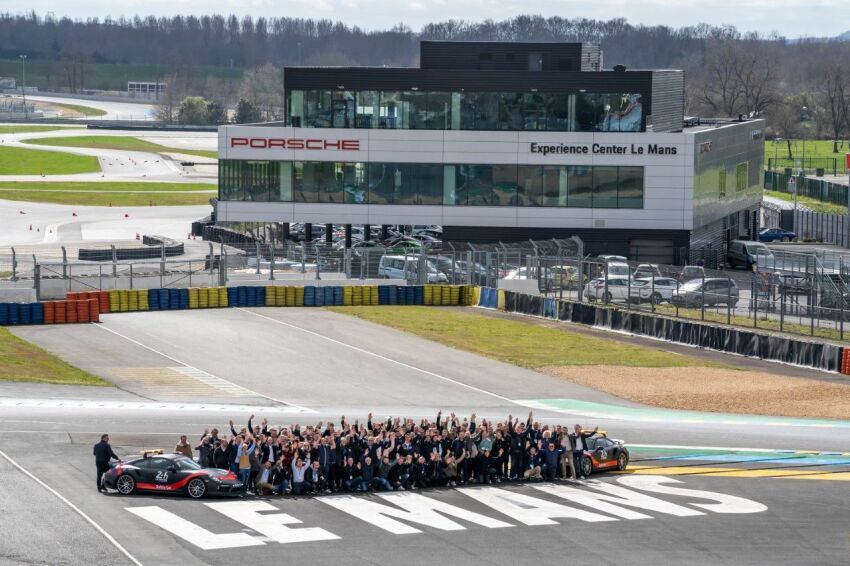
[317,109]
[530,185]
[580,190]
[366,111]
[513,111]
[343,109]
[249,180]
[390,114]
[439,105]
[431,184]
[352,177]
[630,187]
[303,182]
[604,187]
[555,185]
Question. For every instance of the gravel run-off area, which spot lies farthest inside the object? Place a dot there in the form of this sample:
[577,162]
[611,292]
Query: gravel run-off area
[715,390]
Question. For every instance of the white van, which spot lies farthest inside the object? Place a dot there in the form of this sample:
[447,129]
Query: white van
[401,267]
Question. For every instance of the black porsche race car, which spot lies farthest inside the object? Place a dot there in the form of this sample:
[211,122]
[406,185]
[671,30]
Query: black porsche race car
[171,473]
[603,453]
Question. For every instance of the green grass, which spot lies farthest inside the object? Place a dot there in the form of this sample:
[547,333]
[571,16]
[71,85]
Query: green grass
[9,129]
[813,204]
[128,143]
[817,149]
[22,361]
[106,193]
[87,111]
[520,343]
[21,161]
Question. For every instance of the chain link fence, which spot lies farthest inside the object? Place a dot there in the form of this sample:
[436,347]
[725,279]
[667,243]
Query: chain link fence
[799,293]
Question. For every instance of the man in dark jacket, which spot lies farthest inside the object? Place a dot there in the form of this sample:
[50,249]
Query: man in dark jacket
[578,442]
[102,455]
[222,456]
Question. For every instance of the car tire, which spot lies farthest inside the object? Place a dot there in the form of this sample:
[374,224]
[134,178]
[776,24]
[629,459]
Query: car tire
[586,467]
[656,298]
[786,239]
[125,484]
[622,461]
[609,297]
[196,488]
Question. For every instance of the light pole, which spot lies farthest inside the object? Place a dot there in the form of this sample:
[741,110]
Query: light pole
[24,84]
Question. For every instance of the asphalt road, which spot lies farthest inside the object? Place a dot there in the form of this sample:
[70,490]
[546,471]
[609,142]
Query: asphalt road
[306,365]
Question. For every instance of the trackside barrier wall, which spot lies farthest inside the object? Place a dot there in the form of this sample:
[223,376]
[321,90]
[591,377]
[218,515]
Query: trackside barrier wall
[741,341]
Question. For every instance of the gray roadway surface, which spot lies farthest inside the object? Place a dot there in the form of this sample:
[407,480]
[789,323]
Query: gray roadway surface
[307,365]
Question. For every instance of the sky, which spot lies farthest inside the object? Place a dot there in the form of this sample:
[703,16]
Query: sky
[789,18]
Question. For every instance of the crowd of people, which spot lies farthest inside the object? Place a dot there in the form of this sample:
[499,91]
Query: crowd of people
[391,455]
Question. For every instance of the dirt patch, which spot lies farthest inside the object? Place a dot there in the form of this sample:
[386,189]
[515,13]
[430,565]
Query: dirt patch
[715,390]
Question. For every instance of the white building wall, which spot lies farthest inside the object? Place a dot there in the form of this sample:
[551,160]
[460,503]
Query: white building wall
[668,179]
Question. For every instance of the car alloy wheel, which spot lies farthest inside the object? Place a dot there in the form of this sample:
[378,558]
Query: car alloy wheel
[125,485]
[656,298]
[196,488]
[622,461]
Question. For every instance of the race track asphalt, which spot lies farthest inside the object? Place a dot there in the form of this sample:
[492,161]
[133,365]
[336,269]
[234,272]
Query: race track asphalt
[307,365]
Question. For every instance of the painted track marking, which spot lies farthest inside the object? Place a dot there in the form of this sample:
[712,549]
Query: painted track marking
[382,357]
[182,363]
[74,508]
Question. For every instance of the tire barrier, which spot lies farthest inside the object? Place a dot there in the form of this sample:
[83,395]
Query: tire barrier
[732,340]
[845,362]
[151,248]
[83,307]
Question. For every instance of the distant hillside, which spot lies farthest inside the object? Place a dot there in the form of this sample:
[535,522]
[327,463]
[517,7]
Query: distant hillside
[844,36]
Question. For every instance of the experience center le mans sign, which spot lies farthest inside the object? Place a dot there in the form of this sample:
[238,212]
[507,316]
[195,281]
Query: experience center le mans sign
[602,149]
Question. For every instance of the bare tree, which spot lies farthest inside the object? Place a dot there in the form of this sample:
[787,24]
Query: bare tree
[834,99]
[785,120]
[168,103]
[263,87]
[721,90]
[757,77]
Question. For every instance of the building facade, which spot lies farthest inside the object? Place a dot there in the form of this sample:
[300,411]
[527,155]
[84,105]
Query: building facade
[496,142]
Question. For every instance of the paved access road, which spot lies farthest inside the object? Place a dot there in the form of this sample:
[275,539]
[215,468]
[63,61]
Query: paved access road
[761,500]
[115,109]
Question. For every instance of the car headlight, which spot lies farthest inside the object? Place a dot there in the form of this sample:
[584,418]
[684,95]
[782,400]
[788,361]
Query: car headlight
[215,479]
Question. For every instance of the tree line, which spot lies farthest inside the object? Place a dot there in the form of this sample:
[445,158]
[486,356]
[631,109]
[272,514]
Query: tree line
[799,86]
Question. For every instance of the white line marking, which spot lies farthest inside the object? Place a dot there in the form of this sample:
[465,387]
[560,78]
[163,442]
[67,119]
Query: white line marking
[76,509]
[724,448]
[145,405]
[379,356]
[164,355]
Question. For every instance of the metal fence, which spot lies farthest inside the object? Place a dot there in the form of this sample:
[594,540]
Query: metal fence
[811,165]
[818,189]
[799,293]
[796,293]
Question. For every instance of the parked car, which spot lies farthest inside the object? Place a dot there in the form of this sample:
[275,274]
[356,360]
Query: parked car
[708,292]
[646,270]
[401,267]
[746,254]
[618,269]
[656,289]
[618,289]
[795,284]
[690,272]
[776,235]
